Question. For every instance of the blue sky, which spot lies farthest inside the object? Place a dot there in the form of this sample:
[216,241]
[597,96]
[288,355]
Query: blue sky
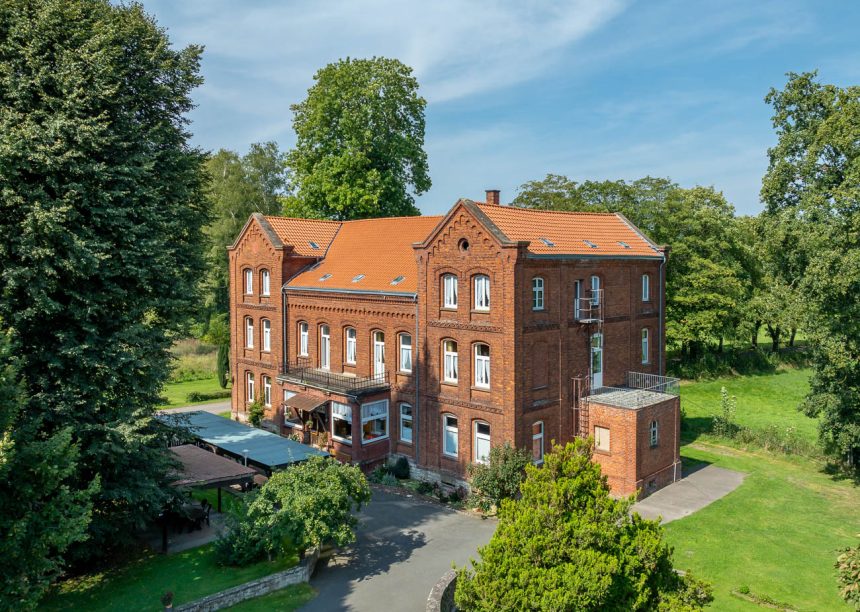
[601,89]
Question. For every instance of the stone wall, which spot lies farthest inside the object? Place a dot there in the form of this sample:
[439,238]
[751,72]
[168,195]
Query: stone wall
[441,598]
[255,588]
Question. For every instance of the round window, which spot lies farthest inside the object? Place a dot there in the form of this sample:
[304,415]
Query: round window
[464,245]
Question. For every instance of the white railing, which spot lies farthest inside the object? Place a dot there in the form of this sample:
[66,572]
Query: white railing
[653,382]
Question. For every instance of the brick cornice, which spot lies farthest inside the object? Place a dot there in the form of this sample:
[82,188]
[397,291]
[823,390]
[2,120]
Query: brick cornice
[465,326]
[250,306]
[451,401]
[254,362]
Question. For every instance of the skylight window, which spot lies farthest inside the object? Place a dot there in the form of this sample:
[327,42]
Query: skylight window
[590,243]
[357,277]
[624,244]
[547,242]
[313,244]
[325,277]
[398,280]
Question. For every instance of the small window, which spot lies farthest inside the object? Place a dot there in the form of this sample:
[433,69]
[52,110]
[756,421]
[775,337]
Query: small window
[267,334]
[482,292]
[595,290]
[405,423]
[357,278]
[482,442]
[449,291]
[351,344]
[341,422]
[374,421]
[645,347]
[249,281]
[449,350]
[313,245]
[325,347]
[654,433]
[646,288]
[267,391]
[547,242]
[450,435]
[397,280]
[249,332]
[601,439]
[325,277]
[264,282]
[303,339]
[537,293]
[590,244]
[577,296]
[537,442]
[249,386]
[405,352]
[482,366]
[623,244]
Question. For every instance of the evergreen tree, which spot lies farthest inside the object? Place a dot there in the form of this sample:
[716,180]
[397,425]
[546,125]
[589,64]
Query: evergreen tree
[100,242]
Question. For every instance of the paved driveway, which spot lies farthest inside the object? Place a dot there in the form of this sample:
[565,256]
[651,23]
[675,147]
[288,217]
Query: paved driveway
[404,545]
[694,491]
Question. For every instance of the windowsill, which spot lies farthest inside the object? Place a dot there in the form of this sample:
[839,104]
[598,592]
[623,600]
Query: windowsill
[373,440]
[538,309]
[449,308]
[349,364]
[341,440]
[483,389]
[448,383]
[406,442]
[602,452]
[480,311]
[404,372]
[266,351]
[449,457]
[537,462]
[541,388]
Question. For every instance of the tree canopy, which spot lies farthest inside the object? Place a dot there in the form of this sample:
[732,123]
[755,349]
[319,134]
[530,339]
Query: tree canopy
[359,142]
[102,201]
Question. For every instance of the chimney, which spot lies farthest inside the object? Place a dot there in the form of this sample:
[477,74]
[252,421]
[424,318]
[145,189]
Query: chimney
[493,196]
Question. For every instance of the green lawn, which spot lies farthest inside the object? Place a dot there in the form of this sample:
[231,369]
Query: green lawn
[176,393]
[229,502]
[762,400]
[285,600]
[140,584]
[777,533]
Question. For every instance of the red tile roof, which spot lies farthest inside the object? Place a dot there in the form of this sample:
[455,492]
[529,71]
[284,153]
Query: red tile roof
[379,249]
[302,232]
[569,233]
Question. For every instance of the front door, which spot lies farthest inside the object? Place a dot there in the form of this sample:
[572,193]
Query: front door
[596,361]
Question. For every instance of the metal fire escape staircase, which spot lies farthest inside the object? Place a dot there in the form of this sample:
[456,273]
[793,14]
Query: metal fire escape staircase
[588,312]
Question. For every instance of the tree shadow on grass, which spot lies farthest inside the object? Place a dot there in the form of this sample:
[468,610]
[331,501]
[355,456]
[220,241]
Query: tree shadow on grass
[693,427]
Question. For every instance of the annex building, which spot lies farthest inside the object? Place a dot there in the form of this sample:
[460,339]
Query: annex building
[438,337]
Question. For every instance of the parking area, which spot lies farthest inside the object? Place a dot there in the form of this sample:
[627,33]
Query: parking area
[404,545]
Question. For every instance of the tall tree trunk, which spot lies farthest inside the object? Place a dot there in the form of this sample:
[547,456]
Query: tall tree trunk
[720,347]
[694,350]
[774,333]
[791,338]
[756,328]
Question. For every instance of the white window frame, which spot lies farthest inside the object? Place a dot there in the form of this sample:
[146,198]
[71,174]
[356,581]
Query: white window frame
[479,437]
[646,345]
[267,391]
[378,354]
[304,330]
[482,292]
[351,345]
[249,332]
[482,366]
[265,283]
[537,438]
[249,385]
[405,352]
[450,362]
[654,433]
[249,281]
[407,418]
[454,429]
[266,327]
[602,439]
[577,296]
[595,290]
[646,287]
[373,411]
[537,293]
[341,412]
[449,291]
[325,347]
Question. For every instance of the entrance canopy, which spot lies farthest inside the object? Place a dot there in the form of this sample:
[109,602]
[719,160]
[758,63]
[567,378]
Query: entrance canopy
[204,469]
[305,402]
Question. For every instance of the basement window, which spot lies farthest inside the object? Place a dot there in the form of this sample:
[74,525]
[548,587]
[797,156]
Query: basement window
[590,243]
[357,277]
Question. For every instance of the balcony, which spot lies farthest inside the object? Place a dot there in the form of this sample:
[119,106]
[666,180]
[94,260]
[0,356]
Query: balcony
[639,390]
[302,372]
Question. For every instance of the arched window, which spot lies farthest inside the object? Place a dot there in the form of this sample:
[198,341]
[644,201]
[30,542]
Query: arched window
[264,283]
[249,332]
[378,354]
[482,366]
[595,290]
[450,358]
[405,341]
[267,334]
[482,292]
[249,385]
[267,391]
[351,344]
[537,293]
[537,442]
[249,281]
[325,347]
[450,435]
[654,433]
[646,288]
[405,423]
[645,347]
[449,291]
[482,442]
[303,339]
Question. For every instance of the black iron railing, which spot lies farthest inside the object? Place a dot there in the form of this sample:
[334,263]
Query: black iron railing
[302,371]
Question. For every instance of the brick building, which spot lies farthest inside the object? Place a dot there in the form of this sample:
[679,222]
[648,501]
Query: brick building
[436,338]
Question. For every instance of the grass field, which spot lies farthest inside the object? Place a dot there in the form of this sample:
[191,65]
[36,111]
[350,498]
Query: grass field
[140,584]
[285,600]
[176,393]
[761,401]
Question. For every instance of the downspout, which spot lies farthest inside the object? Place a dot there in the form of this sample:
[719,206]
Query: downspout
[417,364]
[562,327]
[662,274]
[283,329]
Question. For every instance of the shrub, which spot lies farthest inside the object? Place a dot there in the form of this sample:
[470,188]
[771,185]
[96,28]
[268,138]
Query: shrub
[848,575]
[198,396]
[378,473]
[256,412]
[390,480]
[424,487]
[400,468]
[500,478]
[724,423]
